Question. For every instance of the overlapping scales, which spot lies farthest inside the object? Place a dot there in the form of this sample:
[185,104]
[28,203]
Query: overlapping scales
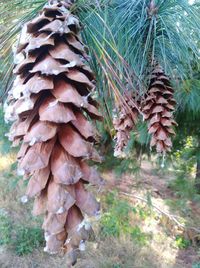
[50,104]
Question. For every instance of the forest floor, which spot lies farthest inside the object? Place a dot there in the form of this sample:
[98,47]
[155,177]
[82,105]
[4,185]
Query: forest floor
[166,224]
[174,216]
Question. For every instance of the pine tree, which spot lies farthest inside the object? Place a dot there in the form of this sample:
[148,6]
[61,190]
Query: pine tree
[50,104]
[51,95]
[158,110]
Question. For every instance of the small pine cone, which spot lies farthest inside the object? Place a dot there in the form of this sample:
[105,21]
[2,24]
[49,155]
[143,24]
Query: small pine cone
[158,111]
[50,104]
[124,123]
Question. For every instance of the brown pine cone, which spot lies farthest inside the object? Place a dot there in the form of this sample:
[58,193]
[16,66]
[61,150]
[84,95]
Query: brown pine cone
[158,110]
[124,122]
[50,104]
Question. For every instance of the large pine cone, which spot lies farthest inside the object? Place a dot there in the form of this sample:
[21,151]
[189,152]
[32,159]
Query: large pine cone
[158,110]
[50,103]
[124,122]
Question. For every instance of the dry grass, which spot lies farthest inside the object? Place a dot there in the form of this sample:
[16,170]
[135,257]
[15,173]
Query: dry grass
[110,253]
[120,252]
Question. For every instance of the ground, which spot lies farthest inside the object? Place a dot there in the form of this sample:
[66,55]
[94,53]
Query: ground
[168,228]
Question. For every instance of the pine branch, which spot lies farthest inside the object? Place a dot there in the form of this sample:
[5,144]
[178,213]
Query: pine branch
[161,211]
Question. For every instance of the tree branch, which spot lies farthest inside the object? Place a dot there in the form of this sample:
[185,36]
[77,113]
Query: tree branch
[170,216]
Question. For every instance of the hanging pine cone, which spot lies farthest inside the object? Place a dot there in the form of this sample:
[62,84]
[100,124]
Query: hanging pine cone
[158,111]
[124,122]
[50,103]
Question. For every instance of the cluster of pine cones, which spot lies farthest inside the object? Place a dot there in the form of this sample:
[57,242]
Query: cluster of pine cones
[157,110]
[51,104]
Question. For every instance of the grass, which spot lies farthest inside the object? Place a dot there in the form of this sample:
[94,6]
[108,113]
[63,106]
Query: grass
[121,252]
[183,187]
[5,228]
[27,240]
[186,198]
[21,239]
[116,220]
[19,231]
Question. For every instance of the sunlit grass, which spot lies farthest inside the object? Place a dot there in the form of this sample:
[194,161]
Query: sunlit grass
[6,161]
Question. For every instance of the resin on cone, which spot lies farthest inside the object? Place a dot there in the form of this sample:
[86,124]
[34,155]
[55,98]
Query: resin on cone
[158,111]
[124,122]
[50,104]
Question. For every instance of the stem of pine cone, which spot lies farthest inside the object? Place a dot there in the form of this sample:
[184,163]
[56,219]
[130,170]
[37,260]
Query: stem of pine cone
[98,4]
[152,5]
[69,2]
[152,10]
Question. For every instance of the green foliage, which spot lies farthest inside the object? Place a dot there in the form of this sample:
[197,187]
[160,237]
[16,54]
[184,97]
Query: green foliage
[23,240]
[139,139]
[184,184]
[138,236]
[5,228]
[117,220]
[181,242]
[118,165]
[161,34]
[27,239]
[129,165]
[116,266]
[13,15]
[196,265]
[4,128]
[188,96]
[183,187]
[12,178]
[143,137]
[180,205]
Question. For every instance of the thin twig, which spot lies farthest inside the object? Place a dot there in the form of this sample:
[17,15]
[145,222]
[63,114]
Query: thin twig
[170,216]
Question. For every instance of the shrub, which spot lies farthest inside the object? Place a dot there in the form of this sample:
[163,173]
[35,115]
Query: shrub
[181,242]
[117,220]
[27,239]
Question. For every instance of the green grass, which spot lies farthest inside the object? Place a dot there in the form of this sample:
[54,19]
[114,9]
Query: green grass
[27,239]
[183,187]
[20,238]
[116,220]
[5,228]
[4,128]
